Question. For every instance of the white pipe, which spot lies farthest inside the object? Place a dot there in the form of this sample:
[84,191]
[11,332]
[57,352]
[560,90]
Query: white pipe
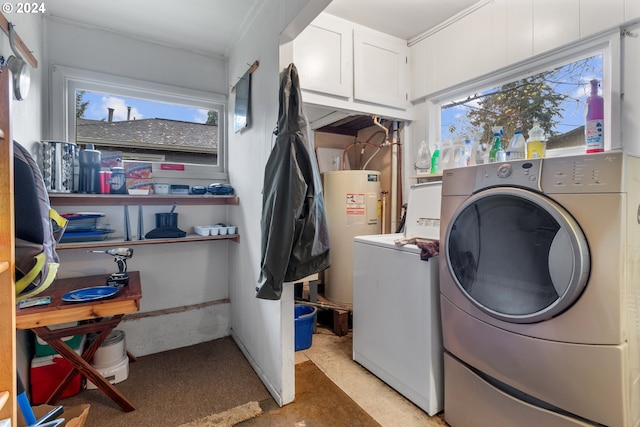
[394,178]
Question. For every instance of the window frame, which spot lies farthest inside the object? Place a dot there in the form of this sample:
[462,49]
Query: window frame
[608,44]
[66,81]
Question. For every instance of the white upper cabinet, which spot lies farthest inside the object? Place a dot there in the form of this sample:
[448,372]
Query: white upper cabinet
[418,66]
[380,68]
[323,54]
[347,66]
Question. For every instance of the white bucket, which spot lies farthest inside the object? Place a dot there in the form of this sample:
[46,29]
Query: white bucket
[111,352]
[113,374]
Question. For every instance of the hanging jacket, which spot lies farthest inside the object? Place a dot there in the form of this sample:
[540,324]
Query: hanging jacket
[295,237]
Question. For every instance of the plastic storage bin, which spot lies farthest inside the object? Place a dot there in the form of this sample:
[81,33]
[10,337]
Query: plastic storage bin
[43,349]
[48,372]
[305,321]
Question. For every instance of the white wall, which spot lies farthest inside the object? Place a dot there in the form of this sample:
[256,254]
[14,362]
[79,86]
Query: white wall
[263,329]
[173,275]
[26,118]
[26,121]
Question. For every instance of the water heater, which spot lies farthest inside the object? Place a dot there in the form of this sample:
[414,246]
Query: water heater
[352,203]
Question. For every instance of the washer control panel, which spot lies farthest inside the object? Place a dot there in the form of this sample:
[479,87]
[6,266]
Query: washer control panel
[520,173]
[589,173]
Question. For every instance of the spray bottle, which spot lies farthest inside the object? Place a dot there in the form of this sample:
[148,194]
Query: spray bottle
[496,153]
[435,159]
[594,123]
[469,151]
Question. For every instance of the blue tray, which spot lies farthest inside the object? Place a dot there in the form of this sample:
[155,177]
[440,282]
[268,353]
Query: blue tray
[84,236]
[90,294]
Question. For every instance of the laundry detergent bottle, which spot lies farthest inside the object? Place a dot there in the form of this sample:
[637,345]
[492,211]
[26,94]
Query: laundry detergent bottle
[469,151]
[458,158]
[594,121]
[516,149]
[536,144]
[446,154]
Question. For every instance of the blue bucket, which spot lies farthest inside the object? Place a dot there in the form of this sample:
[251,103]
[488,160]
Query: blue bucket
[305,320]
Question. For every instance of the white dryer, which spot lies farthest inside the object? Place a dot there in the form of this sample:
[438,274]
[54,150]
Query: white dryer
[540,292]
[396,318]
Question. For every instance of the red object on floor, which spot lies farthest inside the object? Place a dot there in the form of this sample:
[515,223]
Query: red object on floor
[47,375]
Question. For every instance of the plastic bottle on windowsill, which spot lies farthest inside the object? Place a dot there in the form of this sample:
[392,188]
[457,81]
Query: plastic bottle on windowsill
[497,153]
[516,149]
[423,160]
[435,159]
[594,123]
[536,144]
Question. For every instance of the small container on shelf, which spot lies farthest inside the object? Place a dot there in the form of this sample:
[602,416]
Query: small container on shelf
[202,230]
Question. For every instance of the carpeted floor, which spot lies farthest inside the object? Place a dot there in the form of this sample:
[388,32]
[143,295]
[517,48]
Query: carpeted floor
[318,403]
[179,386]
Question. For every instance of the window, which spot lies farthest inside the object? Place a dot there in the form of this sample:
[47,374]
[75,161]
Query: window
[141,120]
[551,89]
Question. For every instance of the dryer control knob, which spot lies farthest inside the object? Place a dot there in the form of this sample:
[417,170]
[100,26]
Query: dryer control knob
[505,170]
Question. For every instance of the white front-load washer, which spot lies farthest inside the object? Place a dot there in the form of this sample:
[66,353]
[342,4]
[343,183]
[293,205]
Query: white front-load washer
[540,292]
[396,318]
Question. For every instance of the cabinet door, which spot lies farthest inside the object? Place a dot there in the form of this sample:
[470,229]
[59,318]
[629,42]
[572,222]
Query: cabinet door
[380,69]
[323,56]
[418,70]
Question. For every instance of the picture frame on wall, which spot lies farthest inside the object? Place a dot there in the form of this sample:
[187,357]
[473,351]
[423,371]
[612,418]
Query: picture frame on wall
[242,111]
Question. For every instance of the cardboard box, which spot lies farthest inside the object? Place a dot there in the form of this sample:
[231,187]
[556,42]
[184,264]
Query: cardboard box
[74,416]
[110,159]
[138,176]
[137,170]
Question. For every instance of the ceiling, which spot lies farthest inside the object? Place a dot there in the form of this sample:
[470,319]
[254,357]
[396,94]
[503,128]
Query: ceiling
[213,27]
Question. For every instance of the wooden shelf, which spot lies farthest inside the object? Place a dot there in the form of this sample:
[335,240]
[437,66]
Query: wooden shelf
[73,199]
[4,266]
[427,177]
[120,242]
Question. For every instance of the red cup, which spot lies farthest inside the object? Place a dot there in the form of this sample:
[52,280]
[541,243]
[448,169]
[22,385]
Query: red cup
[105,182]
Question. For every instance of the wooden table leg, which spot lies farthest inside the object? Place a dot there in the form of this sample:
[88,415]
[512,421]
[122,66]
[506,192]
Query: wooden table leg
[81,365]
[103,328]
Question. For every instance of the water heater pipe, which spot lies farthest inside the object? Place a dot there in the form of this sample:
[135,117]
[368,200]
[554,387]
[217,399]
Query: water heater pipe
[394,176]
[383,214]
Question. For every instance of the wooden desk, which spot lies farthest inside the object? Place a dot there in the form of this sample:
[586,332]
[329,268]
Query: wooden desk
[102,316]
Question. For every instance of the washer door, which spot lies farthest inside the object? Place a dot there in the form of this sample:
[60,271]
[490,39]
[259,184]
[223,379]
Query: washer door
[517,255]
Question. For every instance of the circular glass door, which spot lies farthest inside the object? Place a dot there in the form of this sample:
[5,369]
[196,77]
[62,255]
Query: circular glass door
[517,255]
